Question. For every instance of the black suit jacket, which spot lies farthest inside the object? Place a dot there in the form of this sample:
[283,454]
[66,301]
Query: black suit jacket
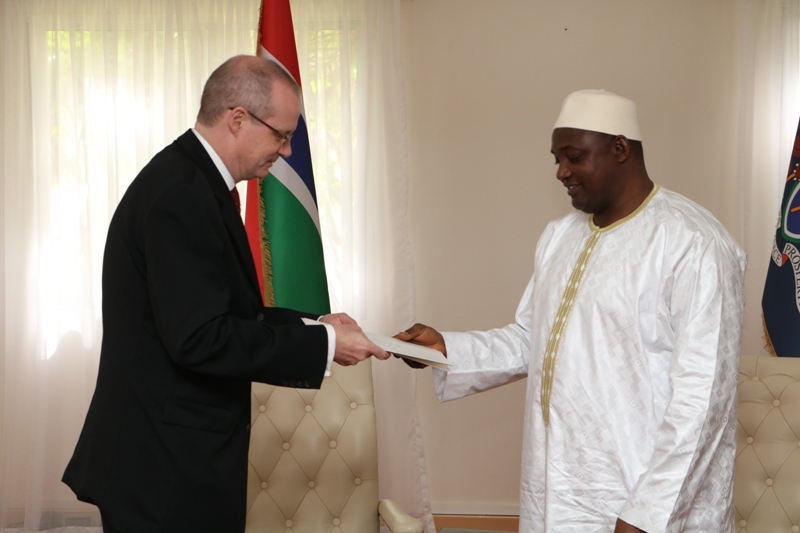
[165,442]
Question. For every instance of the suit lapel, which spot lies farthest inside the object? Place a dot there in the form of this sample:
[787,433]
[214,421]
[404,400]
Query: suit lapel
[233,222]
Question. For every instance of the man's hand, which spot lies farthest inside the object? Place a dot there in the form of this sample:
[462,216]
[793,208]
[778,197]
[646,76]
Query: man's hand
[424,336]
[624,527]
[353,346]
[337,318]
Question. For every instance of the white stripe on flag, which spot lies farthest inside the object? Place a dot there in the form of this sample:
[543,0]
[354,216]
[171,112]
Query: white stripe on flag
[263,53]
[290,179]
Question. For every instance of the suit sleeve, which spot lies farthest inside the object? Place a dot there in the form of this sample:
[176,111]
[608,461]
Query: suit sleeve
[201,300]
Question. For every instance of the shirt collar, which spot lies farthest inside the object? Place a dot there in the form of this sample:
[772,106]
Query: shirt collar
[226,174]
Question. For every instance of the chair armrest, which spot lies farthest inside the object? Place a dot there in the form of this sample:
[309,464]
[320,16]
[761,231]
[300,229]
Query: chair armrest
[397,519]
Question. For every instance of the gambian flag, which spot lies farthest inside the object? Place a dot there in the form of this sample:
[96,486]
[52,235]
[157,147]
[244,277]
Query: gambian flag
[781,301]
[282,218]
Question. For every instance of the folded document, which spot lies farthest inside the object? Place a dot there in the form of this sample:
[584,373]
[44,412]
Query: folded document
[406,350]
[412,352]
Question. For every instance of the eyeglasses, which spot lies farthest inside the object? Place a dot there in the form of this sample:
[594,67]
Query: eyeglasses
[284,138]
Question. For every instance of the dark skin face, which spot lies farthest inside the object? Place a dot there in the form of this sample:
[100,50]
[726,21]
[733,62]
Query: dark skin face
[597,171]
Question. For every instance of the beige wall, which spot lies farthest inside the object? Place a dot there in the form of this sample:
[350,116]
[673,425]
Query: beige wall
[485,81]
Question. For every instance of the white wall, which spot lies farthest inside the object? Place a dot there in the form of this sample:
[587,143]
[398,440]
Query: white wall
[485,82]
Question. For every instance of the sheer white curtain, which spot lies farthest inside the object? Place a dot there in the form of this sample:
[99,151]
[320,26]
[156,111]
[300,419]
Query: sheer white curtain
[768,115]
[90,91]
[355,102]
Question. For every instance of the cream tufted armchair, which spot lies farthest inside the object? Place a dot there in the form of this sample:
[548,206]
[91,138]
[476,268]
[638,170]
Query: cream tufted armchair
[767,483]
[314,459]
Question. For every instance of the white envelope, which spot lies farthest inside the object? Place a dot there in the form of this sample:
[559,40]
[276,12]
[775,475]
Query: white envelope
[406,350]
[413,352]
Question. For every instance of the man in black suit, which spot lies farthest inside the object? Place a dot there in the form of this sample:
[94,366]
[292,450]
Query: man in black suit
[165,443]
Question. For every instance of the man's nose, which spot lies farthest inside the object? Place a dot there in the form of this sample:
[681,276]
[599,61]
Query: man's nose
[563,171]
[286,149]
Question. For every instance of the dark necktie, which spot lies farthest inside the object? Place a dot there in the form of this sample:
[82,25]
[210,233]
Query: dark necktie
[236,201]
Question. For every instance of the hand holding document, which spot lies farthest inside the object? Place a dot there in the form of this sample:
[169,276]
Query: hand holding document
[416,355]
[423,336]
[351,343]
[412,352]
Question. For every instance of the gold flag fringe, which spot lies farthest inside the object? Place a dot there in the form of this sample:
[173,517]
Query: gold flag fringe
[266,255]
[767,340]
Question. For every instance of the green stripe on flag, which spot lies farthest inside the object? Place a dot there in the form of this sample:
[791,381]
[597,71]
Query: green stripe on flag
[298,265]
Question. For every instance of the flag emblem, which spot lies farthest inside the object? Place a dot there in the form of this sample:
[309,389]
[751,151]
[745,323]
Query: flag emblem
[790,215]
[781,301]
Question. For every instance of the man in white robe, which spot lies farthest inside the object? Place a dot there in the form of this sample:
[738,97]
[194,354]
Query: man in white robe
[629,332]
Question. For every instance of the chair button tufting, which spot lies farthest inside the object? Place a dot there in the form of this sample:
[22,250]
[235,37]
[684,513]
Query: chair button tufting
[776,403]
[288,523]
[263,484]
[742,523]
[353,405]
[769,482]
[308,408]
[357,481]
[262,408]
[795,529]
[755,378]
[332,444]
[749,440]
[286,446]
[311,484]
[336,521]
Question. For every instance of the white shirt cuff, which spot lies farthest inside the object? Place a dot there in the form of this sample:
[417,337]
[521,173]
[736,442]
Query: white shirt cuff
[331,347]
[331,341]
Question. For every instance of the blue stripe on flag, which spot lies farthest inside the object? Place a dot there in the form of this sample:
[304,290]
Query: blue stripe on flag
[300,160]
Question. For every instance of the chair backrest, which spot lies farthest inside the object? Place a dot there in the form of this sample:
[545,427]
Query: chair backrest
[767,483]
[314,457]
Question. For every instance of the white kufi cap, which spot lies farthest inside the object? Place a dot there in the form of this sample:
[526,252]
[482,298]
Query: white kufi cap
[602,111]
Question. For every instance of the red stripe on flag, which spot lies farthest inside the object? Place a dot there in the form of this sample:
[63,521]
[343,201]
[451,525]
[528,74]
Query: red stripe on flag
[276,34]
[252,225]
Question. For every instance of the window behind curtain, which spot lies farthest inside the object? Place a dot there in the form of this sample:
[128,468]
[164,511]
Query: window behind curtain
[109,85]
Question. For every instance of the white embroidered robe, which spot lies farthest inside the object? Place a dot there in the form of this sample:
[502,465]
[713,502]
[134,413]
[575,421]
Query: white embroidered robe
[643,404]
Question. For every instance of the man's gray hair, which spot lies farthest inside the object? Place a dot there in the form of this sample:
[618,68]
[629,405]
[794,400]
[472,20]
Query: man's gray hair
[245,81]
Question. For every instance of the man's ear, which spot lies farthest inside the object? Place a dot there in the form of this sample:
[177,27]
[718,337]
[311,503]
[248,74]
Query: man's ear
[622,148]
[235,120]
